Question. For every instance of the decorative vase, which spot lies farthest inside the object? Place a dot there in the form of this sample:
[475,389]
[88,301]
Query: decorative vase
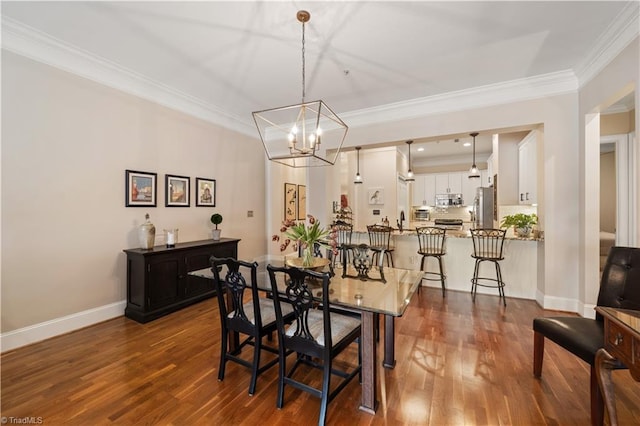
[523,232]
[147,234]
[307,256]
[216,234]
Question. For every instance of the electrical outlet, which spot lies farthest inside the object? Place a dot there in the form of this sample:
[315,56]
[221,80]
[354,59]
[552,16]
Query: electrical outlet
[250,213]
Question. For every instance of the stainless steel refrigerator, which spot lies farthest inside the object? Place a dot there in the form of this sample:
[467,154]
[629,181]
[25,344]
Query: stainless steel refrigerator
[483,208]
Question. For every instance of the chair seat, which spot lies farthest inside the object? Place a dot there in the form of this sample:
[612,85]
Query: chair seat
[431,252]
[341,326]
[266,310]
[580,336]
[489,256]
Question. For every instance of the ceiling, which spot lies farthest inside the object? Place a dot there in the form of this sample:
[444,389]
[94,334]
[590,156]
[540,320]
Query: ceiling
[236,57]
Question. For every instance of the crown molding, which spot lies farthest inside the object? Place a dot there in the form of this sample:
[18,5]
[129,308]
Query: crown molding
[551,84]
[41,47]
[622,31]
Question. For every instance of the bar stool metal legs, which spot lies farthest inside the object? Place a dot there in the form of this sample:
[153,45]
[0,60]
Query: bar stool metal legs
[487,247]
[431,244]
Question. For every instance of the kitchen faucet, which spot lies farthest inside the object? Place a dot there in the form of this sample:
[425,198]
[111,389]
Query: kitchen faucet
[399,223]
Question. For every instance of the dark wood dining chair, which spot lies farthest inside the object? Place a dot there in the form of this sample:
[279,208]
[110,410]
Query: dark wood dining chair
[583,337]
[344,232]
[380,239]
[255,318]
[317,334]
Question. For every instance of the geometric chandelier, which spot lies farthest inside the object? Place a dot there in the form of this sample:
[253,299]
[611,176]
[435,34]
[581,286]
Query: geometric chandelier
[308,134]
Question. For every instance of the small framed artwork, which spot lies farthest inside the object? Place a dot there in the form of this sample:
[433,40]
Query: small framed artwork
[205,192]
[176,191]
[376,196]
[290,206]
[140,189]
[302,202]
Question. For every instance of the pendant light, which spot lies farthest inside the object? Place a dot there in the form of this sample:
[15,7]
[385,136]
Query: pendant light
[302,135]
[358,177]
[409,177]
[474,173]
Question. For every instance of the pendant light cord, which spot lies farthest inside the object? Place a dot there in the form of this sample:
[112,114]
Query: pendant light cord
[303,65]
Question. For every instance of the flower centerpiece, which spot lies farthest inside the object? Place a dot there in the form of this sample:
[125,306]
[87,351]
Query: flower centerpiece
[306,236]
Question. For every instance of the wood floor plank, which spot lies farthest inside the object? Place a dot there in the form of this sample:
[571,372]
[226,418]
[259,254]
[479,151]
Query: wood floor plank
[458,363]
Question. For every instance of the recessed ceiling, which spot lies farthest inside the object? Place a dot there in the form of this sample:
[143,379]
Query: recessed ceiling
[238,57]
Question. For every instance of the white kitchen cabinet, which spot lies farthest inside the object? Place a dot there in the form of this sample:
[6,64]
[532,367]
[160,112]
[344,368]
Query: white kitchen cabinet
[449,183]
[424,190]
[527,170]
[470,186]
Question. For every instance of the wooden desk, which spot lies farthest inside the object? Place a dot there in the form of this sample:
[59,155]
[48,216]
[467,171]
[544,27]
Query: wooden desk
[621,343]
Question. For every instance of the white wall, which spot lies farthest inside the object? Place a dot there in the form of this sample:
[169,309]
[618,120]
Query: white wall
[617,79]
[66,142]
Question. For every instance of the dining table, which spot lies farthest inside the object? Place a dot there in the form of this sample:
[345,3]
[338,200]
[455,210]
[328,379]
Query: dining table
[385,292]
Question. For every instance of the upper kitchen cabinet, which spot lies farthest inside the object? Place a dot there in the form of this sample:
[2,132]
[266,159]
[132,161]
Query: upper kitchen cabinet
[449,183]
[424,190]
[527,170]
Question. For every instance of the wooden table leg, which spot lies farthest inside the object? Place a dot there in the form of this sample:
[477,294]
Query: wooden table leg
[389,360]
[369,371]
[604,364]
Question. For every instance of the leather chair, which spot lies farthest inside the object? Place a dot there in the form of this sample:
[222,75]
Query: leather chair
[619,288]
[316,335]
[255,318]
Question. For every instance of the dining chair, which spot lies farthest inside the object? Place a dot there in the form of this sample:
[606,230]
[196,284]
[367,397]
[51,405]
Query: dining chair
[431,243]
[583,337]
[380,238]
[487,247]
[255,318]
[317,334]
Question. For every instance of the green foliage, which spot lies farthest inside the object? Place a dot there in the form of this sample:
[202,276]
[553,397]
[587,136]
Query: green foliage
[307,234]
[519,220]
[216,219]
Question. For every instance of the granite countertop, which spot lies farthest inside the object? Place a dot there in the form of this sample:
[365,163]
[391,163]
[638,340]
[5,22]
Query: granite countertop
[451,233]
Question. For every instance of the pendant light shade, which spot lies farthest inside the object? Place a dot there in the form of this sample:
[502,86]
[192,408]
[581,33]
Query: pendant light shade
[474,173]
[358,178]
[409,177]
[303,135]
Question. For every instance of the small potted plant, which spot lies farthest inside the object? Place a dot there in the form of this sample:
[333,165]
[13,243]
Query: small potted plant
[216,219]
[522,223]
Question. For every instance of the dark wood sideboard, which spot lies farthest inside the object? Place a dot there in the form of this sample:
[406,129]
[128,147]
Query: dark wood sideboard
[158,280]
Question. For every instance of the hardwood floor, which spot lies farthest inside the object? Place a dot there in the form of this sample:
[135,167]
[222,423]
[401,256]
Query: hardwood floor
[458,363]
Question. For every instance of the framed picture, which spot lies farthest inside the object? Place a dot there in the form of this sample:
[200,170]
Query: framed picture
[140,189]
[290,206]
[176,191]
[302,202]
[376,196]
[205,192]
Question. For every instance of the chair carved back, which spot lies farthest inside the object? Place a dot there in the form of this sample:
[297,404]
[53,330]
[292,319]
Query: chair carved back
[300,296]
[362,256]
[488,243]
[235,284]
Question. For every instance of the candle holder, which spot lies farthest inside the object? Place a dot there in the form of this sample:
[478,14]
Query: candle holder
[171,237]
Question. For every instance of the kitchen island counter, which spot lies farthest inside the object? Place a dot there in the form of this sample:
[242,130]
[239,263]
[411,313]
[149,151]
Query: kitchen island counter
[519,267]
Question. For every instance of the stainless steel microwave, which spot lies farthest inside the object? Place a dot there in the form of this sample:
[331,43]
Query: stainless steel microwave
[449,200]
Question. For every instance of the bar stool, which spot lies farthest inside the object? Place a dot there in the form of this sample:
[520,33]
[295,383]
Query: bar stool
[431,241]
[343,239]
[487,247]
[380,240]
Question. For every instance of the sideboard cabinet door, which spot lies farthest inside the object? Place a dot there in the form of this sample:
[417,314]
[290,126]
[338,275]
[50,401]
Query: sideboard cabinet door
[158,280]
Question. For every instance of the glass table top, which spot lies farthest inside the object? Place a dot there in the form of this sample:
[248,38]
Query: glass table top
[390,297]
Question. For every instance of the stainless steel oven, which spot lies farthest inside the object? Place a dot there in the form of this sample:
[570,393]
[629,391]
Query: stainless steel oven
[420,214]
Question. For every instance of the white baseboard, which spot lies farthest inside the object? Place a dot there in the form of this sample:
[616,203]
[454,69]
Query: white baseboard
[559,303]
[45,330]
